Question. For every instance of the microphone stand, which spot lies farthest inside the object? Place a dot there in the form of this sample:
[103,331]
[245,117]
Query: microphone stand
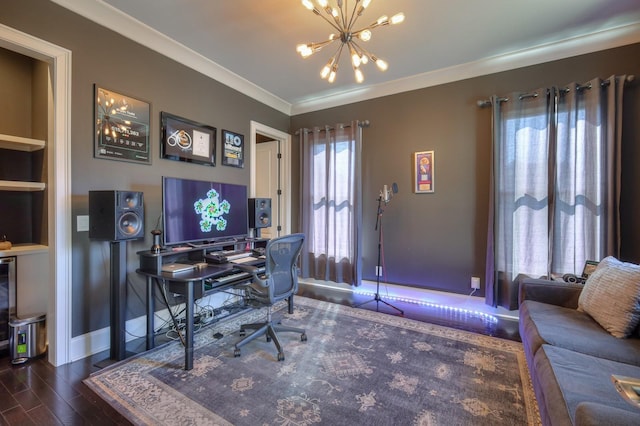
[377,297]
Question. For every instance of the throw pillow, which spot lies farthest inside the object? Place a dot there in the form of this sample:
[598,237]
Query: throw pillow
[611,296]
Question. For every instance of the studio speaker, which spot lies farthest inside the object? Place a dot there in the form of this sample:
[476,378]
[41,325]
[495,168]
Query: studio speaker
[116,215]
[259,212]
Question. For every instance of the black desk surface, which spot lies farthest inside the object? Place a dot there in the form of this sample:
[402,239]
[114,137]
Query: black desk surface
[212,270]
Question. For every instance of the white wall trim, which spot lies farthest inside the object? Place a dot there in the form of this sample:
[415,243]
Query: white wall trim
[100,340]
[108,16]
[59,203]
[285,150]
[589,43]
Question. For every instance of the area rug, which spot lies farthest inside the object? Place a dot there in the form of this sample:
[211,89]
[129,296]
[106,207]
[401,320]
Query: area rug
[358,367]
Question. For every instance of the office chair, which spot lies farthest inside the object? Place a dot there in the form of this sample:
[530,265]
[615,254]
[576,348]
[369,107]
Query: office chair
[278,281]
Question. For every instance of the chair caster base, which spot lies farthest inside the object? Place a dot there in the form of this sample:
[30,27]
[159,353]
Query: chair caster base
[236,353]
[280,356]
[303,337]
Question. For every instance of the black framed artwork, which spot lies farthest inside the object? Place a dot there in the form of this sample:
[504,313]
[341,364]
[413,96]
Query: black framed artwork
[232,149]
[186,140]
[121,127]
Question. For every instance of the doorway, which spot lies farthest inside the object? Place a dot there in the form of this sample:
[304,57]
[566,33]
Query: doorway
[270,154]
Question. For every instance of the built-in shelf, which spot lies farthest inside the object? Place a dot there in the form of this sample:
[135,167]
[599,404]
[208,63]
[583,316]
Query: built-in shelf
[18,143]
[24,249]
[11,185]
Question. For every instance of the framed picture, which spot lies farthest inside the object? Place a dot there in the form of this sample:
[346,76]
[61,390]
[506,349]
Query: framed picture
[232,149]
[423,172]
[187,140]
[121,127]
[589,267]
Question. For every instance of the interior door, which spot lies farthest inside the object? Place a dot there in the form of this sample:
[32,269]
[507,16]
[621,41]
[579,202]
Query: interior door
[268,172]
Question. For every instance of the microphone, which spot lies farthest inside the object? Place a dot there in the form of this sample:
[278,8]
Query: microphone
[387,194]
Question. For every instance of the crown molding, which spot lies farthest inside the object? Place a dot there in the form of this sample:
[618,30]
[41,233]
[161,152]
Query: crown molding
[109,17]
[589,43]
[106,15]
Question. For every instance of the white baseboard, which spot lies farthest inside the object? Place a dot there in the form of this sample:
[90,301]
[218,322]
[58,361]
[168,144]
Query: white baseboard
[100,340]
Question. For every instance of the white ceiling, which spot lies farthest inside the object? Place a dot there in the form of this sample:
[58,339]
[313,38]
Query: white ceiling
[250,44]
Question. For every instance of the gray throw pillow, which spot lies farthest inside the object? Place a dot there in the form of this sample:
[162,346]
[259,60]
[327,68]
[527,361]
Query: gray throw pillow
[611,296]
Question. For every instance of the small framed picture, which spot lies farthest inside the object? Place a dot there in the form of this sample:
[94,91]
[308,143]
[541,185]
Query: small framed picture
[187,140]
[423,172]
[232,149]
[589,267]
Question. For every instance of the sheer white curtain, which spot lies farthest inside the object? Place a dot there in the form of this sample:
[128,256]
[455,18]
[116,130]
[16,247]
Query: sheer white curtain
[330,208]
[555,181]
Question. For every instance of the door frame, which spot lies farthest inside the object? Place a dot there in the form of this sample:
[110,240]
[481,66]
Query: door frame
[58,187]
[285,167]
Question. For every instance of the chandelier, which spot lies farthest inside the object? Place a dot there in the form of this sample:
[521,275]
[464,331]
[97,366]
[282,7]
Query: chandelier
[349,39]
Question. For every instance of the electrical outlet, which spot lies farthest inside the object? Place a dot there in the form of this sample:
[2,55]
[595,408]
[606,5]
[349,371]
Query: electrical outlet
[475,283]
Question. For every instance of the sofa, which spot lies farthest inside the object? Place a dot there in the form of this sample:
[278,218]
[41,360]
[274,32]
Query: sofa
[575,337]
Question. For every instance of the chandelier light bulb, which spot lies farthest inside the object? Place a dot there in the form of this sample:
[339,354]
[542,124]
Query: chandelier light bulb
[397,18]
[365,35]
[325,71]
[305,50]
[343,20]
[359,76]
[355,59]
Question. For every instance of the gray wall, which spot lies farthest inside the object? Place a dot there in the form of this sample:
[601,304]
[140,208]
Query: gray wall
[431,240]
[100,56]
[438,240]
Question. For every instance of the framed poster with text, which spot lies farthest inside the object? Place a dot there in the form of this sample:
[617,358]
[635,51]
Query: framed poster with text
[121,127]
[423,167]
[232,149]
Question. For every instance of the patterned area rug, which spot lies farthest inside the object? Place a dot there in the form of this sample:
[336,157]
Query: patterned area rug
[357,367]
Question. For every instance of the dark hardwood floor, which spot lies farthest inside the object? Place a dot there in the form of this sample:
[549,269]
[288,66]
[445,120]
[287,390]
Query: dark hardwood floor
[36,393]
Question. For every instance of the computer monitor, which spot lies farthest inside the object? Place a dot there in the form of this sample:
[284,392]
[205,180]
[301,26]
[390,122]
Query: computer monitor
[196,211]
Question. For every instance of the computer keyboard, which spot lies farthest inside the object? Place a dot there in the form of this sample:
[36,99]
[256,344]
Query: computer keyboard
[231,277]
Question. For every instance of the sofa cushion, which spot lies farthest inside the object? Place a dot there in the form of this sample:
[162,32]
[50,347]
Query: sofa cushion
[569,379]
[568,328]
[594,414]
[611,296]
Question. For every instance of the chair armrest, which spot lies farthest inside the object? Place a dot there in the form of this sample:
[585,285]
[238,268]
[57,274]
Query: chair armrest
[253,270]
[558,293]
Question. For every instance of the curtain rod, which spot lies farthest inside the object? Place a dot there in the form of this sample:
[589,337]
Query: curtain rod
[487,102]
[362,124]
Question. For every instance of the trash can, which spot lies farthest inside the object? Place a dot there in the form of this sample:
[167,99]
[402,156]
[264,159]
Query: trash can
[27,337]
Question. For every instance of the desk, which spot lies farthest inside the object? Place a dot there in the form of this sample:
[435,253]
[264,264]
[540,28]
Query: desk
[185,283]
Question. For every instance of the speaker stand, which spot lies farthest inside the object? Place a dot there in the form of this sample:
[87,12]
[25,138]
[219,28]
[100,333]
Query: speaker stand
[117,302]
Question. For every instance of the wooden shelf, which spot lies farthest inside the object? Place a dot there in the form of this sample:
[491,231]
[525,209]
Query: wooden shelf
[10,185]
[18,143]
[24,249]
